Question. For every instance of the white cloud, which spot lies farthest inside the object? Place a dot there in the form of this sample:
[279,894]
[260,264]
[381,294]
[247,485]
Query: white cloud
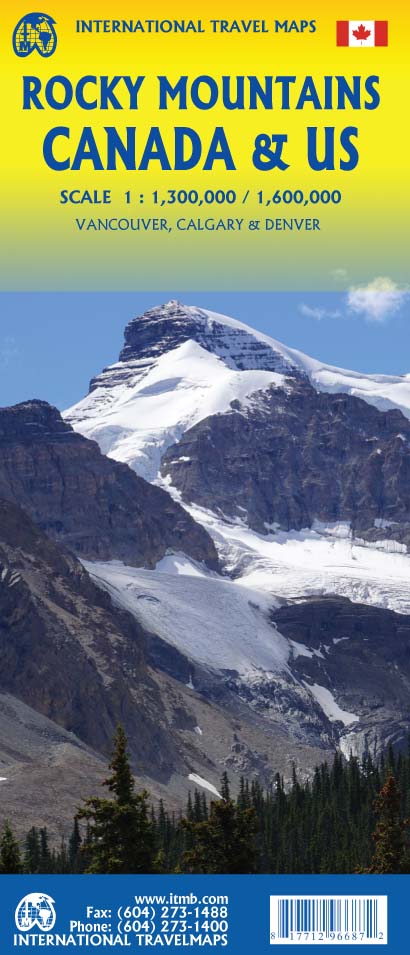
[317,312]
[378,300]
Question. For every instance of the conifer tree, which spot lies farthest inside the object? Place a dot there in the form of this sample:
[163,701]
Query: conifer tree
[45,860]
[225,842]
[32,852]
[225,792]
[74,848]
[204,806]
[60,862]
[189,807]
[10,861]
[391,853]
[121,834]
[198,815]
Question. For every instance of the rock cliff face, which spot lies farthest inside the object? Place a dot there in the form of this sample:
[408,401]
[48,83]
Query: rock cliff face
[361,656]
[68,653]
[291,456]
[164,328]
[93,505]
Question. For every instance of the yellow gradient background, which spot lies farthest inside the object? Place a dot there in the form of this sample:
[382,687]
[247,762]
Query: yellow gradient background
[366,235]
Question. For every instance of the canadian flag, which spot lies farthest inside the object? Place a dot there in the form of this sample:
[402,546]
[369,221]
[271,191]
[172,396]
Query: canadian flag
[362,33]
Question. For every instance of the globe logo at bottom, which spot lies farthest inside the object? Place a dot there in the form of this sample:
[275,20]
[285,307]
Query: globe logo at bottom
[36,909]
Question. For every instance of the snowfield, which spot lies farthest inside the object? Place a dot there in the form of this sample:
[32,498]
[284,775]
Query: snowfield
[200,781]
[329,706]
[137,420]
[221,624]
[210,620]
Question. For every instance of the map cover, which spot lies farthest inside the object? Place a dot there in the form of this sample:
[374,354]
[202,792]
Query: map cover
[204,476]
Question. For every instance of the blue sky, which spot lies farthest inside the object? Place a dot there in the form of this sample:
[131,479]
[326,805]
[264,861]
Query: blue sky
[51,344]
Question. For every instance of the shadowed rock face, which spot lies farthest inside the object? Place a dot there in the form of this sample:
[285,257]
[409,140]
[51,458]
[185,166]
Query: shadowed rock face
[68,653]
[367,648]
[362,656]
[294,455]
[95,506]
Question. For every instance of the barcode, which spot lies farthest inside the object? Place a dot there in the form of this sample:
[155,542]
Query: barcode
[341,920]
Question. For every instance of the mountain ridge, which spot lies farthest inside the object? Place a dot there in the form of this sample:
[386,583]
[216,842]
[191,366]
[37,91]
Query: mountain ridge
[94,506]
[181,364]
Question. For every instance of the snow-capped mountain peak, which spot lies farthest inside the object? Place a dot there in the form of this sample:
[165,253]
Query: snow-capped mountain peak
[180,364]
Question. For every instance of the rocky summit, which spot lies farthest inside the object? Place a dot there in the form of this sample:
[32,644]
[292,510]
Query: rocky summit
[165,328]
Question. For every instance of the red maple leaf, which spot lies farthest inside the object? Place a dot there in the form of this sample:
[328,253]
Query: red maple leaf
[361,33]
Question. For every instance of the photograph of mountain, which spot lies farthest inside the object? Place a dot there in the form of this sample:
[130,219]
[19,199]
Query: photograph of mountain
[208,554]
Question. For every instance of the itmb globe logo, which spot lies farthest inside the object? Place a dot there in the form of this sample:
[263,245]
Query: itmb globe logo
[35,31]
[36,909]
